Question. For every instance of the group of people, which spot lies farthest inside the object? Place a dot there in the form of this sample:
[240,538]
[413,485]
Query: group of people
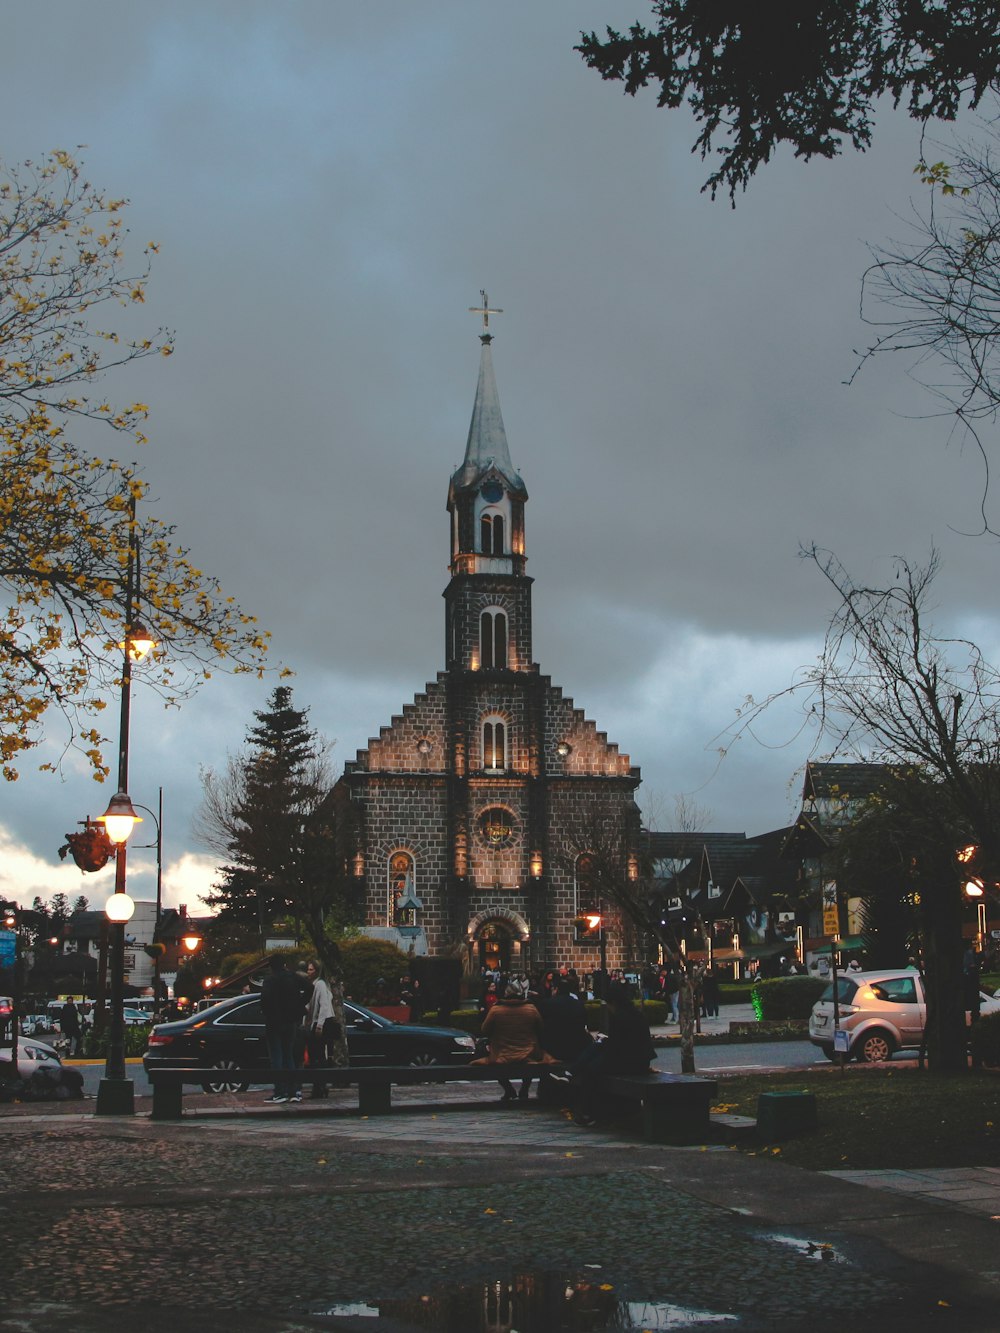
[552,1030]
[299,1019]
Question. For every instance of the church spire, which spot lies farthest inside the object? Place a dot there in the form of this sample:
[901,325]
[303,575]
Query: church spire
[486,446]
[486,496]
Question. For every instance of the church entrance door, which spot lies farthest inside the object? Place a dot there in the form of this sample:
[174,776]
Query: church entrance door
[494,942]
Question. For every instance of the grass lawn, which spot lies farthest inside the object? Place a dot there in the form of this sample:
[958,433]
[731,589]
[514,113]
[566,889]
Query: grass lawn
[881,1117]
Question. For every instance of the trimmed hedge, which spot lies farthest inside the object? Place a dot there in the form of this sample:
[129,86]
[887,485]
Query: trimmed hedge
[735,992]
[468,1020]
[787,997]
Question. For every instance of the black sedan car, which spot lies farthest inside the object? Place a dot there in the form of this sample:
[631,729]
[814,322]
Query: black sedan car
[230,1035]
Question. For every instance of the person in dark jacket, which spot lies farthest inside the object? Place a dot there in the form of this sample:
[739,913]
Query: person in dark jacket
[564,1023]
[69,1023]
[627,1049]
[282,999]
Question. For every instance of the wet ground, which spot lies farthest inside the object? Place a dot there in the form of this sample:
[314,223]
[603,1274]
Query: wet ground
[464,1219]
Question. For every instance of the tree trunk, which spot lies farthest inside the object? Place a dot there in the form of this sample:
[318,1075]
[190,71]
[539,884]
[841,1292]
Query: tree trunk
[689,985]
[945,1032]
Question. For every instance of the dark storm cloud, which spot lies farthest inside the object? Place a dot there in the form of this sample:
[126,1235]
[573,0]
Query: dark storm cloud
[330,186]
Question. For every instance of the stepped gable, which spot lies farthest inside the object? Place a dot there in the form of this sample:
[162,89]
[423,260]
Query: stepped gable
[590,750]
[396,749]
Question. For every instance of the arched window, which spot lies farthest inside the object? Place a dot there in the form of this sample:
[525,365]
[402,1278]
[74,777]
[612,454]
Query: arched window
[495,744]
[491,534]
[587,896]
[493,639]
[401,882]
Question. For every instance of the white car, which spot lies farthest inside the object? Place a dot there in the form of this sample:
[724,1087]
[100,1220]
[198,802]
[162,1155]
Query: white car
[41,1073]
[881,1011]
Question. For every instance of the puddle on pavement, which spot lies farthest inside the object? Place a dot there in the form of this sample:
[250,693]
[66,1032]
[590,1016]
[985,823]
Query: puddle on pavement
[819,1250]
[531,1303]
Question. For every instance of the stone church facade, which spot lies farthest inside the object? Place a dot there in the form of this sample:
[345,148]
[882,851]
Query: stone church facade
[467,822]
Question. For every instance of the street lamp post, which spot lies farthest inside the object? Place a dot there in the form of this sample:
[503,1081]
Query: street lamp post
[116,1092]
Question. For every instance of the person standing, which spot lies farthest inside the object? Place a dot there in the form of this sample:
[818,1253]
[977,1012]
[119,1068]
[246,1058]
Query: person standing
[69,1024]
[320,1023]
[710,994]
[282,1000]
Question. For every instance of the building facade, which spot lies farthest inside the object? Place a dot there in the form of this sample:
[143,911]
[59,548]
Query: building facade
[467,822]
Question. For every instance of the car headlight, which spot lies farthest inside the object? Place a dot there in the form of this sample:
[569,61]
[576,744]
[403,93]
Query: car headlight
[465,1043]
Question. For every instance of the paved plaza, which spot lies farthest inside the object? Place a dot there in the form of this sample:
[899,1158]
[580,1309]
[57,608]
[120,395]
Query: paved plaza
[465,1216]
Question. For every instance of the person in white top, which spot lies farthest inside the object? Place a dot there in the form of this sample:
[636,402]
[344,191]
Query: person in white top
[318,1018]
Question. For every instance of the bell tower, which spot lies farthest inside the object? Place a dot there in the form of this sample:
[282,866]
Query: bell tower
[488,601]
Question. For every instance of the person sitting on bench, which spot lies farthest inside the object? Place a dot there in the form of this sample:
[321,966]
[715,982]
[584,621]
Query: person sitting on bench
[514,1029]
[627,1049]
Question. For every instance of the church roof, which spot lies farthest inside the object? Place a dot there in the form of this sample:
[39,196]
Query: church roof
[486,448]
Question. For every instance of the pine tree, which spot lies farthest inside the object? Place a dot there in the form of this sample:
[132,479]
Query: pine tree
[270,814]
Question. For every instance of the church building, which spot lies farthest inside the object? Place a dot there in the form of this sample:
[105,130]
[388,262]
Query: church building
[469,822]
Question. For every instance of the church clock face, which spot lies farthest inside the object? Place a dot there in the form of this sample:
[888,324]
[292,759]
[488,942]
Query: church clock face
[496,827]
[492,492]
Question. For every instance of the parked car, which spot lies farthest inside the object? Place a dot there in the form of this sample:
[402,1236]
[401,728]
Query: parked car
[882,1012]
[40,1073]
[32,1025]
[230,1035]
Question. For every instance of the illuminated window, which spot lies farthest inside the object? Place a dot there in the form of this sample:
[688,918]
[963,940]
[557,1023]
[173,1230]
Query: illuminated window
[491,534]
[493,639]
[496,826]
[401,880]
[588,898]
[495,744]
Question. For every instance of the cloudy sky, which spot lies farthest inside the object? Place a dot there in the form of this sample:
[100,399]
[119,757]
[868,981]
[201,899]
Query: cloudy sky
[331,184]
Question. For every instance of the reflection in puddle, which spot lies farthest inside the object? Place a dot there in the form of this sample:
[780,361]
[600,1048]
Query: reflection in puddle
[531,1303]
[809,1249]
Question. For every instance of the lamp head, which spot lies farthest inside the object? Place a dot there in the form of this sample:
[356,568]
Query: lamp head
[119,908]
[138,641]
[120,818]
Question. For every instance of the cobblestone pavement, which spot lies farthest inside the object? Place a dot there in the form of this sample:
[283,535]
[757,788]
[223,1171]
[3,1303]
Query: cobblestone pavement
[281,1223]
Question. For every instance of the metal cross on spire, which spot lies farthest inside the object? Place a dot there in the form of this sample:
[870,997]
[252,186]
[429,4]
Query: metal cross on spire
[485,311]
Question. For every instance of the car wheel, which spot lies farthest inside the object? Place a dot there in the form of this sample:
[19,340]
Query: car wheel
[223,1084]
[828,1050]
[421,1059]
[874,1047]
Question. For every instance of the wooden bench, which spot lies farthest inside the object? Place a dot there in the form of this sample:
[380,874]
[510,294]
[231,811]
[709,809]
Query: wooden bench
[374,1083]
[675,1107]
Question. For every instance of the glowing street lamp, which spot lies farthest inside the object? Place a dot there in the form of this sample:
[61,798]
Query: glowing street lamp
[120,818]
[116,1092]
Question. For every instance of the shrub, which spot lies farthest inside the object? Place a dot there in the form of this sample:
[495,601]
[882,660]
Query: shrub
[787,997]
[984,1041]
[95,1045]
[735,992]
[365,961]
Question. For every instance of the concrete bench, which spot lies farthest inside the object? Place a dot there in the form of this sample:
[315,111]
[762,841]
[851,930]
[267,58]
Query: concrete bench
[675,1107]
[374,1083]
